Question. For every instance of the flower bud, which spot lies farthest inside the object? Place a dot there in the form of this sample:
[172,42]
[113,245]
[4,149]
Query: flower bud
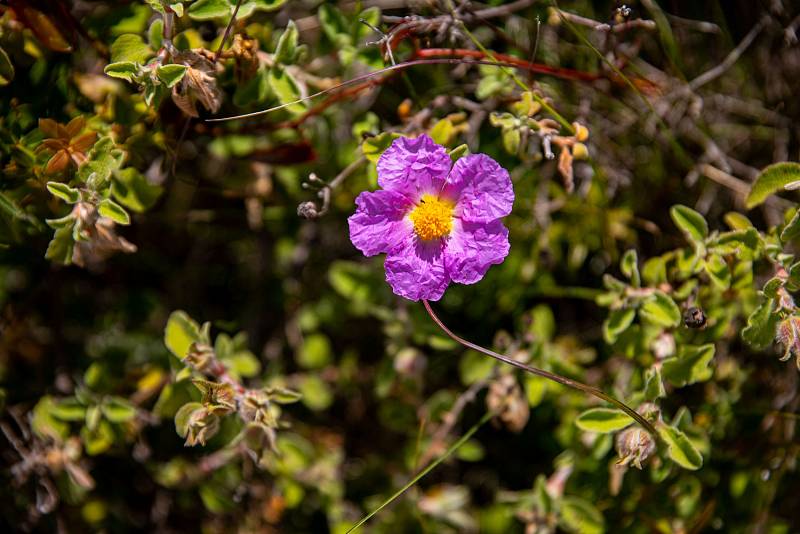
[634,446]
[580,151]
[581,132]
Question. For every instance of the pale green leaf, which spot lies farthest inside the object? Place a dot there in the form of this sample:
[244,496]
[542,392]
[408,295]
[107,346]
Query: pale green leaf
[690,222]
[603,420]
[771,180]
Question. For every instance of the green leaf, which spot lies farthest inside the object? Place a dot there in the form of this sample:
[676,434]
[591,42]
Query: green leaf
[690,222]
[630,267]
[118,410]
[183,416]
[171,74]
[98,440]
[243,363]
[112,210]
[442,132]
[155,34]
[680,448]
[718,270]
[61,246]
[373,147]
[690,366]
[285,88]
[761,326]
[286,49]
[617,322]
[770,180]
[104,158]
[459,152]
[603,420]
[180,333]
[45,424]
[6,69]
[580,516]
[792,228]
[130,48]
[211,9]
[131,189]
[316,393]
[69,410]
[653,385]
[68,194]
[125,70]
[283,395]
[334,25]
[660,309]
[316,352]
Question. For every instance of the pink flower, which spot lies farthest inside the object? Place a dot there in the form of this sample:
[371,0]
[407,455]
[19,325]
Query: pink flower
[436,222]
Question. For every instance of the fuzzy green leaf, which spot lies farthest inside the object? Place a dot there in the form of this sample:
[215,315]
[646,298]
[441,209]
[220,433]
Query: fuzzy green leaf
[771,180]
[115,212]
[68,194]
[603,420]
[171,74]
[761,326]
[617,322]
[690,222]
[691,365]
[130,48]
[680,448]
[660,309]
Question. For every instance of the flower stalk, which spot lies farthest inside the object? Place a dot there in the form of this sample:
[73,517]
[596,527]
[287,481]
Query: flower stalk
[564,381]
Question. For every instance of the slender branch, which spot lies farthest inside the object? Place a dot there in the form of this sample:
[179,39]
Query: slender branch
[564,381]
[731,58]
[227,31]
[605,27]
[463,439]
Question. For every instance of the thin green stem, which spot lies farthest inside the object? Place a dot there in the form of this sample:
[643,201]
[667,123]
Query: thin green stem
[453,448]
[564,381]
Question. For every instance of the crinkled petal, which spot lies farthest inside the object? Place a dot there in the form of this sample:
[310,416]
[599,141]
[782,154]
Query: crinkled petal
[474,247]
[481,189]
[379,224]
[414,166]
[417,270]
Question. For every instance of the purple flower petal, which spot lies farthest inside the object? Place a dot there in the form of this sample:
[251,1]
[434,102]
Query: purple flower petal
[379,224]
[481,187]
[414,166]
[474,247]
[417,270]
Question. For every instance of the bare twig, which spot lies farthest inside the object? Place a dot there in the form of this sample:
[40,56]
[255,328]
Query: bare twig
[731,58]
[605,27]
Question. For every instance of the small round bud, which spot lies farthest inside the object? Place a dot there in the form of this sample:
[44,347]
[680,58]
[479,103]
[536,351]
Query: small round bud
[580,151]
[694,317]
[404,109]
[307,210]
[581,131]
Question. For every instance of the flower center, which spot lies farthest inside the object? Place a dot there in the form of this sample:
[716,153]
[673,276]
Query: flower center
[432,218]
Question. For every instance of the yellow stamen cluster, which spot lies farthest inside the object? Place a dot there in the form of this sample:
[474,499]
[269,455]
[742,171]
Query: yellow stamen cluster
[432,218]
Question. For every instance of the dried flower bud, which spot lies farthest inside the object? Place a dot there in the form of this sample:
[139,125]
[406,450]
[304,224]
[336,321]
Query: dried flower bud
[219,399]
[255,407]
[505,398]
[200,356]
[634,446]
[307,210]
[202,427]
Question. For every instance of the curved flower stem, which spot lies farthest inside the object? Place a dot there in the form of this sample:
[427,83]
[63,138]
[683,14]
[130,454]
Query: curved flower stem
[574,384]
